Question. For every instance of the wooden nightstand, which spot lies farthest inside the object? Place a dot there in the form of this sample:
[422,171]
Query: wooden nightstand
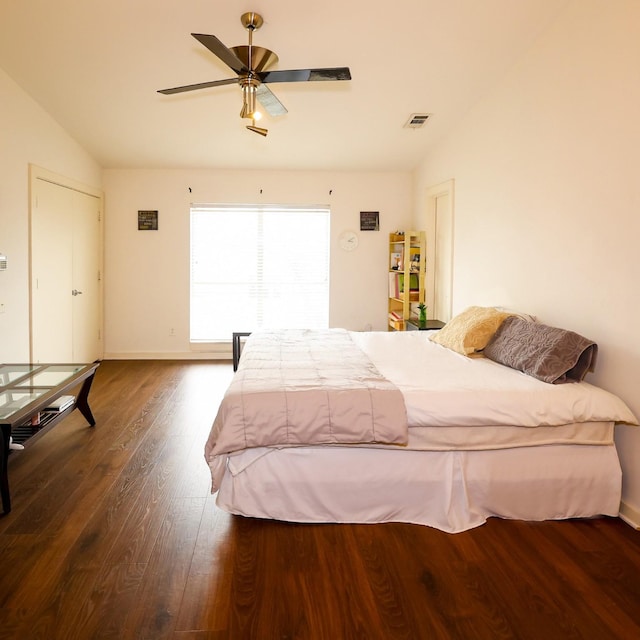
[412,324]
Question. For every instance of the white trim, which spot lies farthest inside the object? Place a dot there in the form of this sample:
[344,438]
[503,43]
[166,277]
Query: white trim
[197,351]
[220,346]
[40,173]
[630,515]
[171,355]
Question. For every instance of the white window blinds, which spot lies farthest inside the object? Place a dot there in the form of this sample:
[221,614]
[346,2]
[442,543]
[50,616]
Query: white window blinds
[258,267]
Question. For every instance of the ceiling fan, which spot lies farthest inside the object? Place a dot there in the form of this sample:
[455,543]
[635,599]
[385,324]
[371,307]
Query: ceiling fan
[250,64]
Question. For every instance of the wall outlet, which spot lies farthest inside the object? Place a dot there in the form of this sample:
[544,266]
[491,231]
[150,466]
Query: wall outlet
[172,332]
[1,307]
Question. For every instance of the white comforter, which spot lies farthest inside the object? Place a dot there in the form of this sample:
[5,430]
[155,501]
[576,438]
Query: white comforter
[443,388]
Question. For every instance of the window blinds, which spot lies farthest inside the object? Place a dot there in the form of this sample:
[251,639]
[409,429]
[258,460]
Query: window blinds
[258,267]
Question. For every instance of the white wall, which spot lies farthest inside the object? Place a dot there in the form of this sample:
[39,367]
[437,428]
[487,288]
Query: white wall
[547,195]
[27,135]
[147,272]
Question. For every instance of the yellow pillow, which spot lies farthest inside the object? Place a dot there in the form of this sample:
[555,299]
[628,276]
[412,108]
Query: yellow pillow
[470,331]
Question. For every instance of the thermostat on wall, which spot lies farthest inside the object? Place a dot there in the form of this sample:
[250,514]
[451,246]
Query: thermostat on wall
[3,262]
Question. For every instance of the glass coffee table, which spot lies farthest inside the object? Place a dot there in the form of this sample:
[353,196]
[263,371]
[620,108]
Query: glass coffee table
[28,395]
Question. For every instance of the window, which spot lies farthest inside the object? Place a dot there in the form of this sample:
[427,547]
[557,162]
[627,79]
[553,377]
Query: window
[258,267]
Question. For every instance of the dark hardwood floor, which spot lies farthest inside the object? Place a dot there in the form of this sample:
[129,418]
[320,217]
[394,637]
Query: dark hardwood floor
[114,534]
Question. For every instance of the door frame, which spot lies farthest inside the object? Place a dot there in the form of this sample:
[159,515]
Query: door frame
[432,194]
[36,174]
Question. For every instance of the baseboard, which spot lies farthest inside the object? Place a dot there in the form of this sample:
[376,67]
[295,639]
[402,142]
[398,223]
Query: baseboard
[177,355]
[630,515]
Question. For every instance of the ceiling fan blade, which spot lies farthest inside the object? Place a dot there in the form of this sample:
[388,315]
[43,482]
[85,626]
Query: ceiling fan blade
[201,85]
[224,53]
[268,100]
[306,75]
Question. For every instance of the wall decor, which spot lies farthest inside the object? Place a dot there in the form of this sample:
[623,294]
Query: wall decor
[369,221]
[147,220]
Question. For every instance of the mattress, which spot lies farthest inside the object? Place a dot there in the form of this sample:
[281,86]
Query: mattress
[481,437]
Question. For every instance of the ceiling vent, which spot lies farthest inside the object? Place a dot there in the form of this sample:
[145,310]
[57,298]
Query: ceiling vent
[416,120]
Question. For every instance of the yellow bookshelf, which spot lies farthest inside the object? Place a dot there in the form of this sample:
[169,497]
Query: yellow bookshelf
[407,267]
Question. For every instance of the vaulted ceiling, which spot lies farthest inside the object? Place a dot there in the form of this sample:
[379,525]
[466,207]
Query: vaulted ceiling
[96,66]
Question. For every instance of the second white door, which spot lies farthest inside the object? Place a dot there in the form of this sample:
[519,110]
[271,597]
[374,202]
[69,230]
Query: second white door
[65,274]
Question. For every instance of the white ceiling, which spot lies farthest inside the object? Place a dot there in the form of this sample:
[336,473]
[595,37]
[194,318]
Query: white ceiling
[96,66]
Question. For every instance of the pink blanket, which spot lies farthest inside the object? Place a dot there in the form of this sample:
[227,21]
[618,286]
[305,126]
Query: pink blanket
[305,387]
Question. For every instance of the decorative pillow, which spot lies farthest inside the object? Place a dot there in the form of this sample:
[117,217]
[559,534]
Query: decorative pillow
[520,314]
[470,331]
[547,353]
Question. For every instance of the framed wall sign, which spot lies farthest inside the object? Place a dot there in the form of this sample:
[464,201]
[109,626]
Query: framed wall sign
[147,220]
[369,221]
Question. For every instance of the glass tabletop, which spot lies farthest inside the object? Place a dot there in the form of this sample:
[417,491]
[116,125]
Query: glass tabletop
[12,401]
[36,375]
[24,384]
[9,373]
[52,376]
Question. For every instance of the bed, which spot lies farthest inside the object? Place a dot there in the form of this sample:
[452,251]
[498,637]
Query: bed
[370,427]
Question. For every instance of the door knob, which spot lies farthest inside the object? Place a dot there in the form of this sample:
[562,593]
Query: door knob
[75,292]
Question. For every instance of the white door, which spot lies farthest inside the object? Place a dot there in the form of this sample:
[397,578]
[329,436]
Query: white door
[85,294]
[440,203]
[65,274]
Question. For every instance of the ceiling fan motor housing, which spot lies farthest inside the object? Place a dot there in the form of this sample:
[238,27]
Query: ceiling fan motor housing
[255,58]
[251,20]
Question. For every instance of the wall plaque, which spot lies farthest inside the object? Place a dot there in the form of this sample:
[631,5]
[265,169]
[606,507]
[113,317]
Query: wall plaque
[147,220]
[369,221]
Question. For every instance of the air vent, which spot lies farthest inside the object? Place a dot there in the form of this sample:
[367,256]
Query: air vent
[416,120]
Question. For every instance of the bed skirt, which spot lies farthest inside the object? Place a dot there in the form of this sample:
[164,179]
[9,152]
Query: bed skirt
[450,490]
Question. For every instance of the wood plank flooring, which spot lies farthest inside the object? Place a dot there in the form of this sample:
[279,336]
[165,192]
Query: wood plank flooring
[114,534]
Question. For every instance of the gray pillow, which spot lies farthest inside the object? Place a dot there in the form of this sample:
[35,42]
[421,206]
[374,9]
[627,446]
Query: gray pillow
[546,353]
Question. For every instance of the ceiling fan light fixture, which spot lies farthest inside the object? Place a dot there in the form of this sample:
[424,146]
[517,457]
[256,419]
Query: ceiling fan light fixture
[248,100]
[259,130]
[249,92]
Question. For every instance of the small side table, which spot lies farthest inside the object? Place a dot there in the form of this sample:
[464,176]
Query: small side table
[413,324]
[237,346]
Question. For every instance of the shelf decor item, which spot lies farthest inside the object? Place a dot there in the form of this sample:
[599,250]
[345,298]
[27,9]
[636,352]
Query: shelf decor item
[422,316]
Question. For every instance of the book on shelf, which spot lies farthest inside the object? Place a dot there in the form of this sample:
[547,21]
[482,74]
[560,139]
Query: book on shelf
[394,292]
[60,404]
[396,315]
[396,285]
[413,282]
